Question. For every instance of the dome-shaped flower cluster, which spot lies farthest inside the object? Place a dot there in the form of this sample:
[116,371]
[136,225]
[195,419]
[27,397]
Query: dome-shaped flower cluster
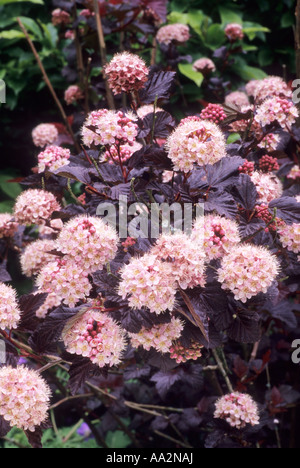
[204,65]
[238,409]
[177,33]
[36,256]
[182,354]
[35,207]
[294,174]
[60,16]
[73,94]
[126,73]
[237,99]
[104,127]
[8,227]
[270,87]
[10,313]
[234,32]
[44,134]
[216,234]
[147,109]
[160,336]
[214,113]
[251,87]
[24,397]
[88,242]
[268,186]
[186,259]
[97,336]
[247,271]
[276,109]
[52,158]
[268,164]
[270,142]
[196,142]
[289,236]
[66,279]
[147,282]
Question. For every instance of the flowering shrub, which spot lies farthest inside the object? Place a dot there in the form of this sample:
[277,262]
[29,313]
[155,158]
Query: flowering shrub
[175,324]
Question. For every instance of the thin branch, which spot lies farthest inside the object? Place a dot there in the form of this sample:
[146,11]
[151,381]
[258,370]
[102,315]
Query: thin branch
[48,83]
[102,46]
[222,370]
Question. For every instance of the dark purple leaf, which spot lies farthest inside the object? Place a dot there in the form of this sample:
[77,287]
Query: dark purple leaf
[222,203]
[158,87]
[245,192]
[29,305]
[287,209]
[35,438]
[4,427]
[78,173]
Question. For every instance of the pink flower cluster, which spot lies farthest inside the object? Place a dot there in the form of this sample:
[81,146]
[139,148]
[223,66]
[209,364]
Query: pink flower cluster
[88,242]
[60,17]
[97,336]
[147,282]
[73,94]
[36,256]
[35,207]
[177,33]
[204,65]
[196,142]
[214,113]
[66,280]
[270,142]
[52,158]
[276,109]
[268,186]
[186,259]
[115,154]
[268,164]
[237,99]
[251,87]
[262,212]
[104,127]
[182,354]
[44,134]
[126,73]
[238,409]
[247,168]
[10,313]
[8,227]
[216,235]
[248,270]
[159,337]
[271,86]
[24,397]
[147,109]
[289,236]
[234,32]
[294,173]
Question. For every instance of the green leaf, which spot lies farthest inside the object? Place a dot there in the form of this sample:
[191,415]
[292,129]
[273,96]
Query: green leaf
[249,73]
[6,206]
[11,189]
[229,16]
[233,138]
[117,439]
[187,70]
[12,34]
[215,36]
[32,26]
[7,2]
